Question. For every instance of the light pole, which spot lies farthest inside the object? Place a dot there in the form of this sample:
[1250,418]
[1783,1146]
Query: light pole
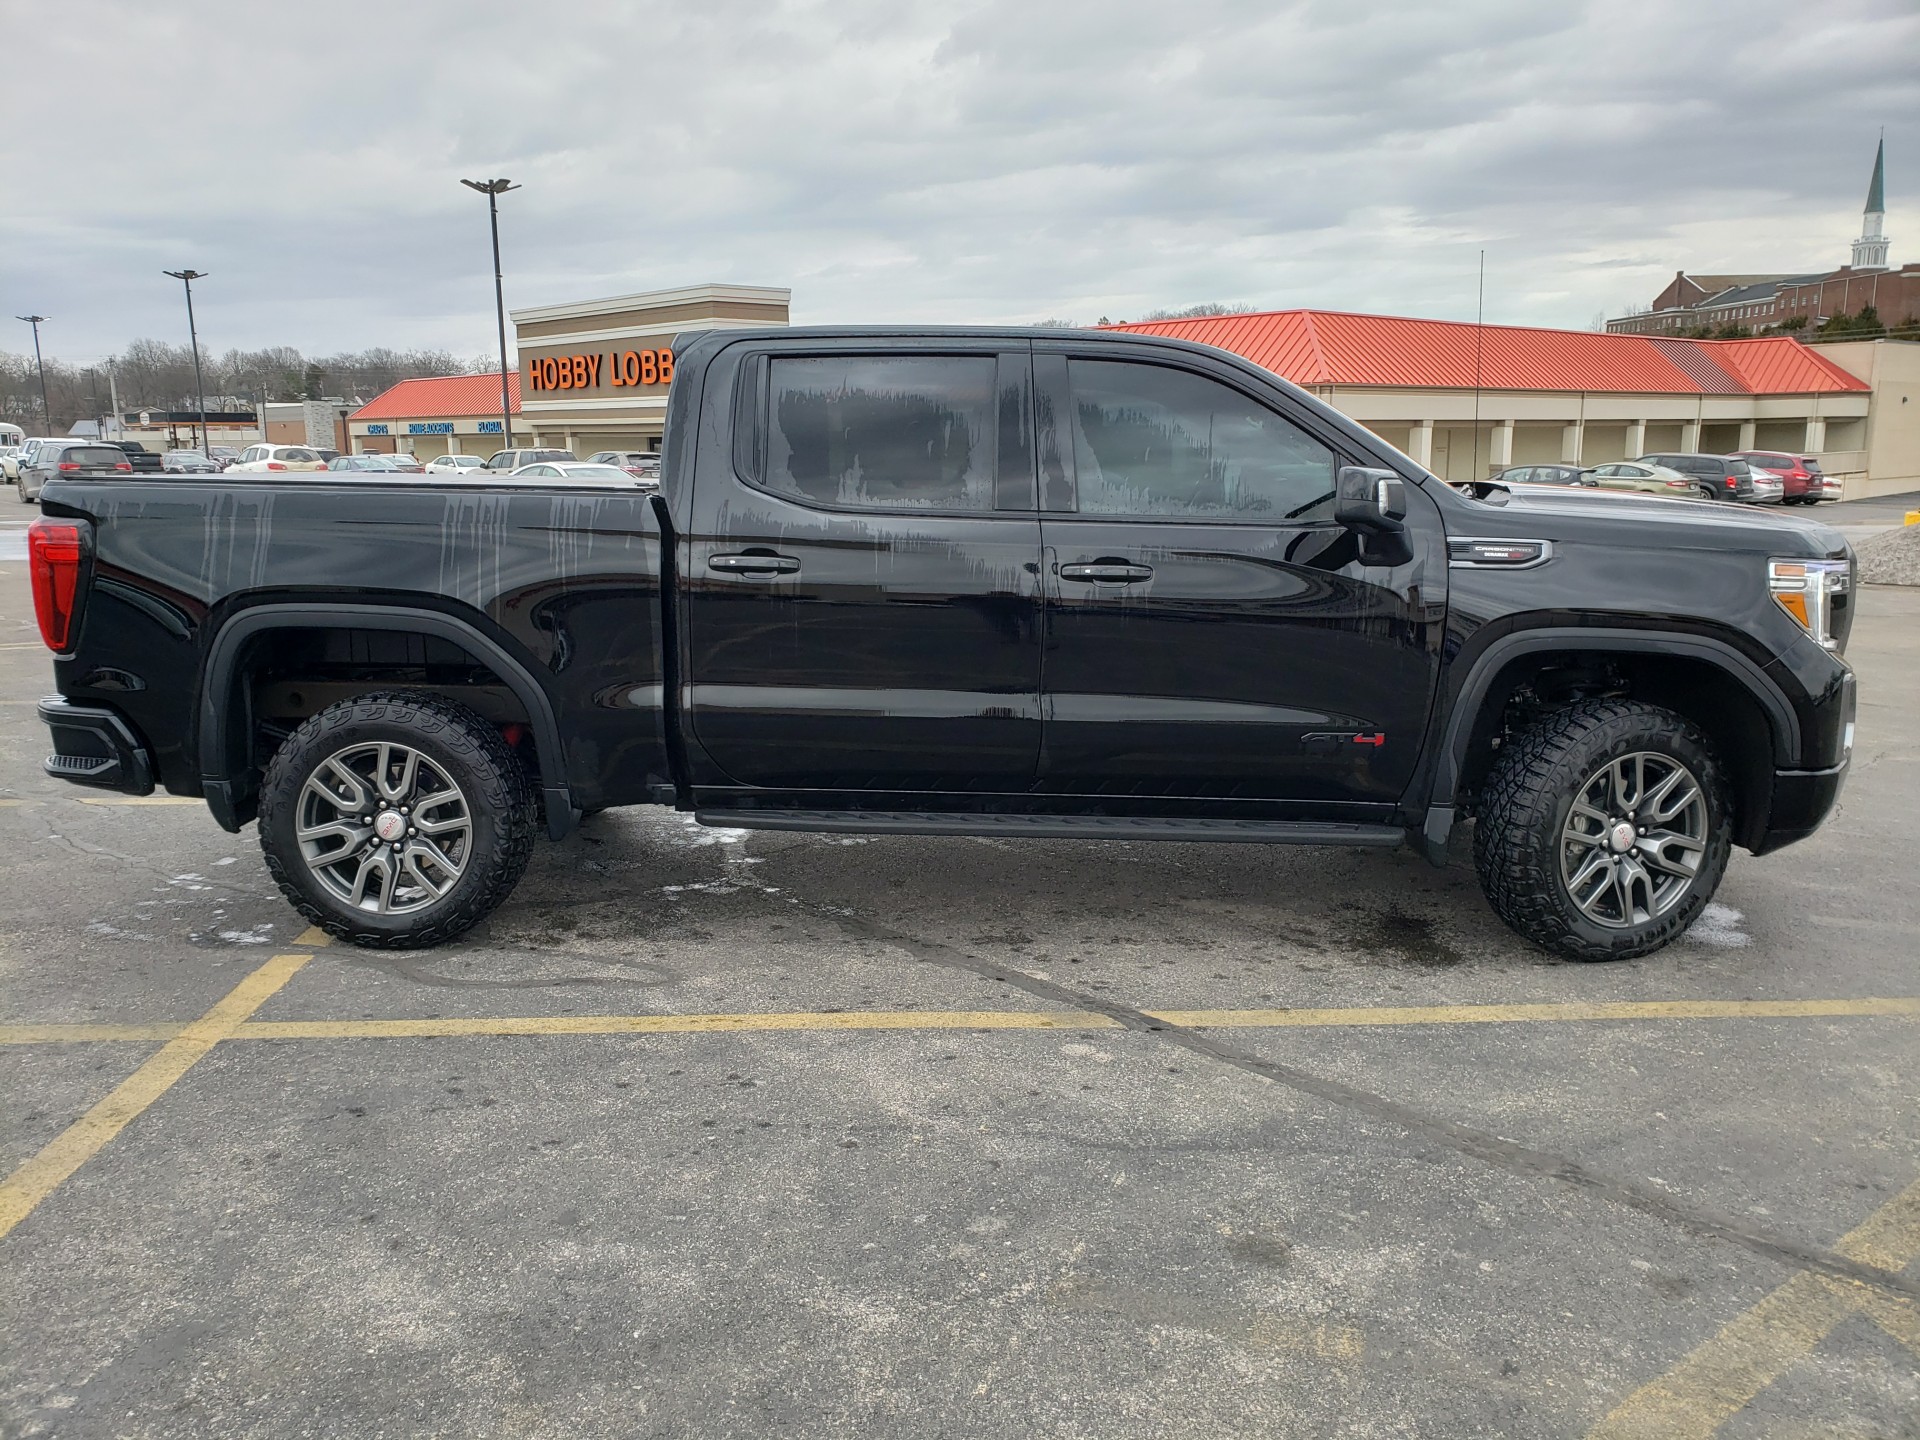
[46,410]
[186,278]
[493,190]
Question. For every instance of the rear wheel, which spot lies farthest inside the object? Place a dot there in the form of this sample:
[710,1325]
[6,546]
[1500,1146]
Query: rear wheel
[1707,492]
[1604,830]
[396,820]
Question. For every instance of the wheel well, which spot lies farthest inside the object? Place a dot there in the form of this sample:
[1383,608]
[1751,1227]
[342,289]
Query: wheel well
[1530,687]
[282,676]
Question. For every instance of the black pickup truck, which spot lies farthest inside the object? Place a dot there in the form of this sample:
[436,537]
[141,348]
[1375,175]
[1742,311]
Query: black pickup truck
[960,582]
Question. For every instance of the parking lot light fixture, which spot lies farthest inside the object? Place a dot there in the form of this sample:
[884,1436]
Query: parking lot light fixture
[493,190]
[187,277]
[46,410]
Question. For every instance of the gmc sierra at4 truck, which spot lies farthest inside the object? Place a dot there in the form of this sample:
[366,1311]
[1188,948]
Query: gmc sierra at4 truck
[959,582]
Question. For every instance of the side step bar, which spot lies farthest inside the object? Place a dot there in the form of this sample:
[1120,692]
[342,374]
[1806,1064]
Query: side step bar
[1054,827]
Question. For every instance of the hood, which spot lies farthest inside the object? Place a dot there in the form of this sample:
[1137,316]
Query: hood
[1580,515]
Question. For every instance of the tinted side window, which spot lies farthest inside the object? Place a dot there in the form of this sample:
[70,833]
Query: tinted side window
[882,432]
[1149,440]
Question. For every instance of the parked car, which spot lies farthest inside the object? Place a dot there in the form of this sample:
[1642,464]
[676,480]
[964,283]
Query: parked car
[329,456]
[1718,477]
[505,462]
[225,454]
[583,472]
[369,464]
[406,462]
[10,456]
[1830,488]
[69,459]
[24,457]
[189,462]
[452,464]
[1543,475]
[143,460]
[1259,623]
[635,462]
[1646,479]
[257,459]
[1799,485]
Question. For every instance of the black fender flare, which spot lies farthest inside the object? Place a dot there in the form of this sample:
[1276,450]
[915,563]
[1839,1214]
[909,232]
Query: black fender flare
[219,764]
[1451,754]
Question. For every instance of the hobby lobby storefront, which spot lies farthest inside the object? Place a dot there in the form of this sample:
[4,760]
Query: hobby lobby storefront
[594,375]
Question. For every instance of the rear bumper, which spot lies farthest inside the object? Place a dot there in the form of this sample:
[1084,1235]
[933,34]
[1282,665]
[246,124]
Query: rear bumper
[94,746]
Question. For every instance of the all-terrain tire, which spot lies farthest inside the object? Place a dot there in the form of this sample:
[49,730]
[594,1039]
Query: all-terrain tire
[1523,814]
[467,750]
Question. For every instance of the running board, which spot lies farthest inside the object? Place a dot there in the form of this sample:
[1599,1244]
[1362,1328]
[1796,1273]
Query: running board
[1054,827]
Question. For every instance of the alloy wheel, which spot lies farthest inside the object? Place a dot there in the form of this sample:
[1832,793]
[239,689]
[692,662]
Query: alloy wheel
[1634,840]
[384,828]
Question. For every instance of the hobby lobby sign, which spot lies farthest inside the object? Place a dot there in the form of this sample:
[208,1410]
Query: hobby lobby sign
[618,369]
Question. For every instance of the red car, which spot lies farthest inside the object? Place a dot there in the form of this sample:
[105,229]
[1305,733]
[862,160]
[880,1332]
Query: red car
[1800,478]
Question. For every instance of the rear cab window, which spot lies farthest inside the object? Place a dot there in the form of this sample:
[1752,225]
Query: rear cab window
[881,432]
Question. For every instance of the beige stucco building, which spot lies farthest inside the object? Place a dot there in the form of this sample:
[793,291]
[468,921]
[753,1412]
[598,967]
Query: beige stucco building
[595,372]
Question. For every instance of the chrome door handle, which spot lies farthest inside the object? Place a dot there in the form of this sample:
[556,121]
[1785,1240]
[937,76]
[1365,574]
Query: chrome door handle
[754,564]
[1112,572]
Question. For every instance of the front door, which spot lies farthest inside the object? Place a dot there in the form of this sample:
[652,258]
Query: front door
[863,573]
[1211,632]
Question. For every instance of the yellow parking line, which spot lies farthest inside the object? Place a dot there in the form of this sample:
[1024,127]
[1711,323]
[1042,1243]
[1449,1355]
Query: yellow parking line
[1721,1378]
[1350,1017]
[82,1140]
[71,1034]
[1576,1010]
[672,1024]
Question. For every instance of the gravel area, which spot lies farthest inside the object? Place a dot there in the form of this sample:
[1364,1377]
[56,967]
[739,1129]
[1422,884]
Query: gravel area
[1892,558]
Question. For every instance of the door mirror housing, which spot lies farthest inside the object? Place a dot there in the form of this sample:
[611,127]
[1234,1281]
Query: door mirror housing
[1374,503]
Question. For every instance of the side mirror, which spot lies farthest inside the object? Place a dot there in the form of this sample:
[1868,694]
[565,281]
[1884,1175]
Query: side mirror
[1369,499]
[1374,503]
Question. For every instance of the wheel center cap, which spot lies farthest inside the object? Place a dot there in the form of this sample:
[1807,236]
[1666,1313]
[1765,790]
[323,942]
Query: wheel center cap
[1620,837]
[390,825]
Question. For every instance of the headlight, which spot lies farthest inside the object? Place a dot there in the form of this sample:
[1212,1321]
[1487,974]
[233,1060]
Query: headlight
[1805,590]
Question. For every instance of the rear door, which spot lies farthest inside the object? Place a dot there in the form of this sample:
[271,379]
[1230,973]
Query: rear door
[863,569]
[1211,632]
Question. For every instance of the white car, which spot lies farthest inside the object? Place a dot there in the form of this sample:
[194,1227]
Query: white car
[256,459]
[580,472]
[449,464]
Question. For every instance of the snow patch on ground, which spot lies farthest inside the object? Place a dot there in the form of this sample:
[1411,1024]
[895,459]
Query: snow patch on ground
[1719,925]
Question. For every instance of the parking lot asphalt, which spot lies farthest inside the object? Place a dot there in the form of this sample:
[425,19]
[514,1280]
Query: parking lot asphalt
[710,1132]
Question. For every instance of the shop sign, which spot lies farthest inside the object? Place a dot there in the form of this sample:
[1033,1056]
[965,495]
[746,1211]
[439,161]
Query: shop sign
[489,427]
[378,430]
[429,427]
[620,369]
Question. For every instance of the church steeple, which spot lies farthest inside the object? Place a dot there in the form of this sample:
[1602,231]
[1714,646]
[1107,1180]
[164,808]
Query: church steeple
[1870,250]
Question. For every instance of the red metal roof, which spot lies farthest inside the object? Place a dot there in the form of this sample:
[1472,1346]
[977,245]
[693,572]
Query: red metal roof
[441,397]
[1330,347]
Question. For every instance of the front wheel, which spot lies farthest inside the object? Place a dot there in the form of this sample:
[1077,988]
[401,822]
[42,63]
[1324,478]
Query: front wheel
[396,820]
[1603,831]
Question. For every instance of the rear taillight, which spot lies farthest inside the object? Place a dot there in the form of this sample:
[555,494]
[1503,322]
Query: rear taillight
[54,551]
[125,465]
[275,465]
[1733,482]
[68,465]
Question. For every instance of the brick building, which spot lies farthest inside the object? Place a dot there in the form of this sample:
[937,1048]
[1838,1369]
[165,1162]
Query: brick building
[1759,302]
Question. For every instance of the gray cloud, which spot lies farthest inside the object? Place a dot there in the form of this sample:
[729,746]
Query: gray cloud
[898,160]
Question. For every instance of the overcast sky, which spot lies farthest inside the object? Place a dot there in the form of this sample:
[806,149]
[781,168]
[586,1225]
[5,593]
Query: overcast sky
[896,160]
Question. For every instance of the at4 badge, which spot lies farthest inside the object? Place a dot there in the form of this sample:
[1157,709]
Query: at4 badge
[1328,742]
